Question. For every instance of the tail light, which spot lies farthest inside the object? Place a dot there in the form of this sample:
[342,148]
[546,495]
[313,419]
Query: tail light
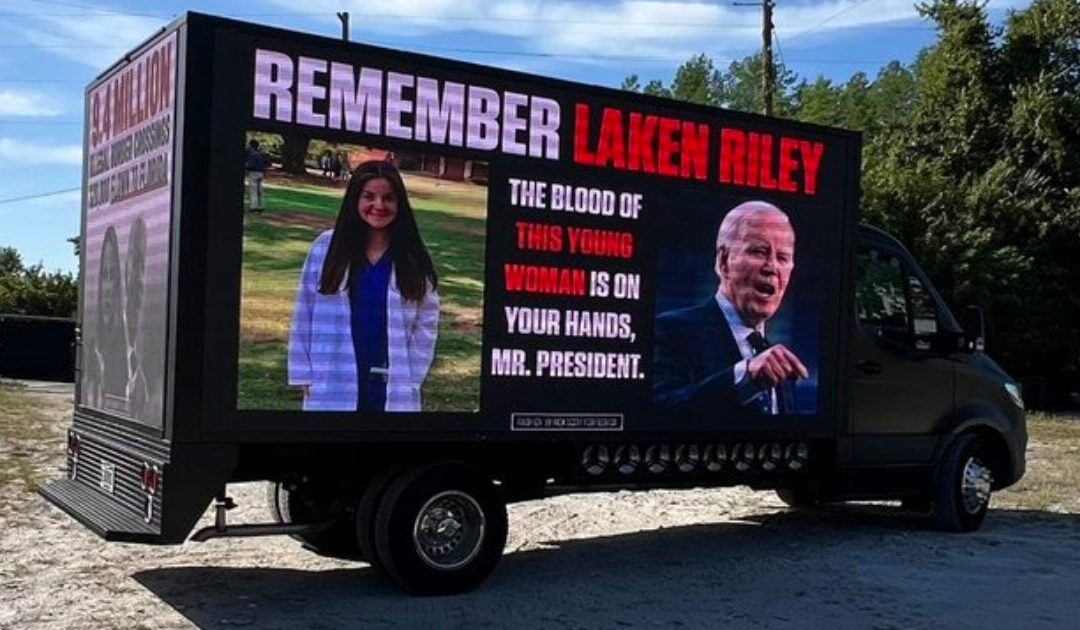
[74,447]
[150,482]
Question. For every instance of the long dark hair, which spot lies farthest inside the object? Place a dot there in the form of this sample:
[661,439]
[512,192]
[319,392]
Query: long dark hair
[110,297]
[412,263]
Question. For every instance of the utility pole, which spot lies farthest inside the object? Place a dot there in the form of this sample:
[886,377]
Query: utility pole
[344,17]
[768,73]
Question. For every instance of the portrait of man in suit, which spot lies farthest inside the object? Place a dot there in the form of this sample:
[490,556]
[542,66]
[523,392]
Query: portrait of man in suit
[716,358]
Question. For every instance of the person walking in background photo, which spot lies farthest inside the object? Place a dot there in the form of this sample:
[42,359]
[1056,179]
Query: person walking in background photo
[324,163]
[255,165]
[715,357]
[367,309]
[343,166]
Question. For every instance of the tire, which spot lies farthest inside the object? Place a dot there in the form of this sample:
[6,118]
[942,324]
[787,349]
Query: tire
[273,501]
[309,503]
[366,511]
[440,529]
[800,497]
[962,486]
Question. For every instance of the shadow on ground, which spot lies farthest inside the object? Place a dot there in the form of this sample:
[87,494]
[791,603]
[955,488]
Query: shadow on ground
[842,567]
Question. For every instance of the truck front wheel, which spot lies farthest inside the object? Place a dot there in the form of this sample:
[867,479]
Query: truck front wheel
[440,529]
[962,486]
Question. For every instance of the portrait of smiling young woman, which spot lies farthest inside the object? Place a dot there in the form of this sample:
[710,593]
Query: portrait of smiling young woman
[366,313]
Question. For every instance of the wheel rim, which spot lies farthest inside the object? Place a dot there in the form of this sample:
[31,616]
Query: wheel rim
[449,530]
[975,486]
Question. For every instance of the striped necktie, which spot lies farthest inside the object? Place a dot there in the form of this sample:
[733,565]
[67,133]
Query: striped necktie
[758,344]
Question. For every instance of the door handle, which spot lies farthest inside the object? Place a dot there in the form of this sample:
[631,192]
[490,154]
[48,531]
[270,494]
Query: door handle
[869,367]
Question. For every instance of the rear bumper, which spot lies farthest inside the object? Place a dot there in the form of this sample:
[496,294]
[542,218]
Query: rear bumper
[103,487]
[100,513]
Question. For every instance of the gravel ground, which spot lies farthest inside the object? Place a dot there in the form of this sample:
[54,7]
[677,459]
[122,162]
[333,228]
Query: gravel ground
[694,558]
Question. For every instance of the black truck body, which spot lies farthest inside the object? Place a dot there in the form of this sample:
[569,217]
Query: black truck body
[574,232]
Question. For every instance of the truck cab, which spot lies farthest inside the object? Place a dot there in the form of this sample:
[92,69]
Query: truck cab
[923,394]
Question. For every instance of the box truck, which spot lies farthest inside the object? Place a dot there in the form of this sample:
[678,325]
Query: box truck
[405,291]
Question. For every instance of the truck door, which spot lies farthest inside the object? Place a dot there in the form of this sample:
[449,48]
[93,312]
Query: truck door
[902,373]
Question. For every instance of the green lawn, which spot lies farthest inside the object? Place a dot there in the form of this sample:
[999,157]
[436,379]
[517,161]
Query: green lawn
[451,217]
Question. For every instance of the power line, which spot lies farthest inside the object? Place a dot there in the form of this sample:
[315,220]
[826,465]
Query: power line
[779,50]
[6,80]
[41,122]
[830,19]
[39,195]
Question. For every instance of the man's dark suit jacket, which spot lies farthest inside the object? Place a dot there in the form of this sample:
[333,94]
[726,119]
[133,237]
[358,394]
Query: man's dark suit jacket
[695,355]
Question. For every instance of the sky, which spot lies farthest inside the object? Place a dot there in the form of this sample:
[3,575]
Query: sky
[51,49]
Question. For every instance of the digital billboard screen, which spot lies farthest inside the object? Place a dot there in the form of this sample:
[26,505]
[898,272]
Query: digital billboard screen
[426,244]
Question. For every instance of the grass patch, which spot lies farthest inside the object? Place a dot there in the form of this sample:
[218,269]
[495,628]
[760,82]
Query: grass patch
[263,378]
[1052,481]
[24,425]
[451,217]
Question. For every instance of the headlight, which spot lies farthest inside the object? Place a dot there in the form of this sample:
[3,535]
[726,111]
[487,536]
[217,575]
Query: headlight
[1014,393]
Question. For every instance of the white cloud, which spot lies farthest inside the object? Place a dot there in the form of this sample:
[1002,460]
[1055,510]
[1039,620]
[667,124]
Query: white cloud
[93,40]
[32,153]
[23,103]
[612,31]
[565,27]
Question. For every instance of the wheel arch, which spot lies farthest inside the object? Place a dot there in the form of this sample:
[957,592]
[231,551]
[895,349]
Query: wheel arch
[990,429]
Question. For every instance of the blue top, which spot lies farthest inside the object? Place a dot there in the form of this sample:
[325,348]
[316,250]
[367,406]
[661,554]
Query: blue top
[367,313]
[256,160]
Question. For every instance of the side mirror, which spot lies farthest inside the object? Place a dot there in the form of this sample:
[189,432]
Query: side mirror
[974,328]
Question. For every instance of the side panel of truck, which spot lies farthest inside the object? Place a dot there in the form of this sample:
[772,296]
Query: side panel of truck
[565,223]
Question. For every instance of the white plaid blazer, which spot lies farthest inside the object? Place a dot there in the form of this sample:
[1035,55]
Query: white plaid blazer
[321,351]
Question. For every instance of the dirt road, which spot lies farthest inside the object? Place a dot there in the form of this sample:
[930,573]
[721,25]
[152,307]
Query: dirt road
[693,559]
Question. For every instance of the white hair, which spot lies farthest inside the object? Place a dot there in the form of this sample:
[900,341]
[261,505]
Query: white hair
[729,227]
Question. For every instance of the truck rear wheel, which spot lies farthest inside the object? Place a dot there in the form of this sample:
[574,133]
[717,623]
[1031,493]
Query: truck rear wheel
[962,486]
[292,502]
[440,529]
[367,510]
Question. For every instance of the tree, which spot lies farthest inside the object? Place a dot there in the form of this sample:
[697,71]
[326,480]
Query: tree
[982,180]
[631,84]
[856,107]
[656,87]
[294,152]
[697,81]
[33,291]
[741,87]
[892,96]
[818,102]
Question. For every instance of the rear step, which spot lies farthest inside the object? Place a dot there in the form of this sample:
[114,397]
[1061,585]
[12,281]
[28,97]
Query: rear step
[100,513]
